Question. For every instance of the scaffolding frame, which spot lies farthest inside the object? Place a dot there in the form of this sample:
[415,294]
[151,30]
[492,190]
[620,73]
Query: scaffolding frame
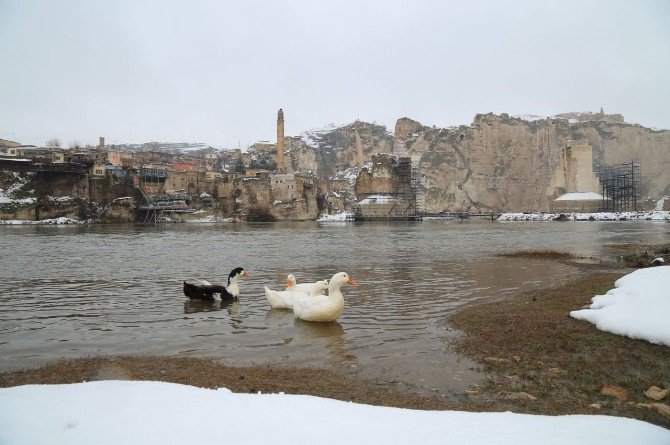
[620,186]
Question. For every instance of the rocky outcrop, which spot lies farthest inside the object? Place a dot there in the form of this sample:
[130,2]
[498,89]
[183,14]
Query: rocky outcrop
[331,150]
[617,143]
[502,163]
[497,163]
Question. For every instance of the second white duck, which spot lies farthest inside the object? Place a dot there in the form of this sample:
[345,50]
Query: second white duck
[292,285]
[284,299]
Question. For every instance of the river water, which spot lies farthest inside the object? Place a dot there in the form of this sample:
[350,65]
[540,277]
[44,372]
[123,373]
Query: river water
[74,291]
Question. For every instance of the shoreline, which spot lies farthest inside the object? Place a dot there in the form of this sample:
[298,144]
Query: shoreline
[650,215]
[536,360]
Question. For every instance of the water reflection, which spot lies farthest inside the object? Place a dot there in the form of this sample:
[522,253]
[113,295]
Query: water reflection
[320,330]
[192,306]
[331,335]
[279,317]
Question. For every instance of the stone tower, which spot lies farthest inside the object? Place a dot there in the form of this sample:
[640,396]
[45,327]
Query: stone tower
[280,141]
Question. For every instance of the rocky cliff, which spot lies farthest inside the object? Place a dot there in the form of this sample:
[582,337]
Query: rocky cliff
[331,150]
[499,162]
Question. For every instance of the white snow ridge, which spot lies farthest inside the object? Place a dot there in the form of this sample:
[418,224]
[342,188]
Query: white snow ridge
[637,307]
[132,412]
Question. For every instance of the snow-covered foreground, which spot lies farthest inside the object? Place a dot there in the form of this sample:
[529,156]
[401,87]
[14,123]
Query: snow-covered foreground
[114,412]
[637,307]
[654,215]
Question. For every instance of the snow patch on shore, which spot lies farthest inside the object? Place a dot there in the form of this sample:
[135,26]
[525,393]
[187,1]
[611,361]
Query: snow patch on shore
[210,219]
[338,217]
[637,307]
[137,412]
[52,221]
[654,215]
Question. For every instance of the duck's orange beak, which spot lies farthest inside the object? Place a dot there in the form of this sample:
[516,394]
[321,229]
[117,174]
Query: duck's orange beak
[246,275]
[352,281]
[288,283]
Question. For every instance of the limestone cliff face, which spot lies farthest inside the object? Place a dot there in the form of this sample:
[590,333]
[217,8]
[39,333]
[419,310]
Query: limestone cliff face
[329,151]
[616,143]
[498,163]
[502,163]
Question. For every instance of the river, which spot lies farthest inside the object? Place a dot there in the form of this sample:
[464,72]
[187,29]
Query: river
[74,291]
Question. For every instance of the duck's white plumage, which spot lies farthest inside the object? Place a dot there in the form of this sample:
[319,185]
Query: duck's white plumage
[284,299]
[292,285]
[323,308]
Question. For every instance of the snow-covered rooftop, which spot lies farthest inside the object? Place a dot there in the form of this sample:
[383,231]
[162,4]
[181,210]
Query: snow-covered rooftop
[582,196]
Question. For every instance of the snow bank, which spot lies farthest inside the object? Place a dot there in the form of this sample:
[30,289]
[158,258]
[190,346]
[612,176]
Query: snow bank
[597,216]
[52,221]
[585,196]
[637,307]
[342,216]
[210,219]
[115,412]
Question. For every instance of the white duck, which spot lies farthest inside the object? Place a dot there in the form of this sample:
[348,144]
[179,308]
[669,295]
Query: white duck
[284,299]
[291,285]
[323,308]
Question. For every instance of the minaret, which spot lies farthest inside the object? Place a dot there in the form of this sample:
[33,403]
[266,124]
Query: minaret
[280,141]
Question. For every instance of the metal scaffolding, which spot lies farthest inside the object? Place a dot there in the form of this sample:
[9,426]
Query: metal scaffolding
[620,185]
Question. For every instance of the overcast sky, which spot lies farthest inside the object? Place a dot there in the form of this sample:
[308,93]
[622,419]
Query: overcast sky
[216,72]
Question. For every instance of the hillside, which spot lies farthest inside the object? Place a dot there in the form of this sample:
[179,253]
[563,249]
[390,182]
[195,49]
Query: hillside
[497,163]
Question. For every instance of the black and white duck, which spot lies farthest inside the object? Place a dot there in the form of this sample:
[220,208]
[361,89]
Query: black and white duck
[204,290]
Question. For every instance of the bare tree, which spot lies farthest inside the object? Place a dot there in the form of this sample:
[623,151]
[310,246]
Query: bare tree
[53,143]
[75,144]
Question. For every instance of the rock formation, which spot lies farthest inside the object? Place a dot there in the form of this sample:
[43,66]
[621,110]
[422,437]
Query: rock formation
[498,163]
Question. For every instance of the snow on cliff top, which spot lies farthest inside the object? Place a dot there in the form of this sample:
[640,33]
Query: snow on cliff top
[637,307]
[136,412]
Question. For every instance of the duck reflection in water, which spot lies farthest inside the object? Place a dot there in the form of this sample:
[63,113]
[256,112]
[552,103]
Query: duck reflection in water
[330,334]
[195,306]
[279,317]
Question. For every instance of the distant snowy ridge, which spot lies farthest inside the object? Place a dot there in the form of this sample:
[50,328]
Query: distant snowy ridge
[654,215]
[637,307]
[137,412]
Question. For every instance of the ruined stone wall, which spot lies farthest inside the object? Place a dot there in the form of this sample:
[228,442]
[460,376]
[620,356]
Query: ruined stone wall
[575,171]
[379,180]
[588,116]
[61,184]
[104,190]
[192,182]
